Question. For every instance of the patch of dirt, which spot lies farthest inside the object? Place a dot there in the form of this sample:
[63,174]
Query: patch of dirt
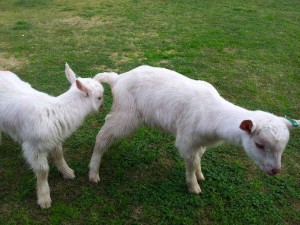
[148,34]
[124,57]
[103,68]
[229,50]
[163,62]
[79,21]
[8,62]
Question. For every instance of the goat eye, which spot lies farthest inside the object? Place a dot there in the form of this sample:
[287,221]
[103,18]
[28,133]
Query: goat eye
[99,98]
[259,146]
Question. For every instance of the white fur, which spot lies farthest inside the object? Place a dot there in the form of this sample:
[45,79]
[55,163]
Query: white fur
[194,112]
[40,123]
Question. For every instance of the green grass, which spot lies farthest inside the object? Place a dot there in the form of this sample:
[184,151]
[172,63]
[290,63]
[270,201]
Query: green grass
[249,51]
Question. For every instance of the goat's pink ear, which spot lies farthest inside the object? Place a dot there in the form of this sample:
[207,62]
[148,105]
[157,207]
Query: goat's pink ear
[70,74]
[248,126]
[82,87]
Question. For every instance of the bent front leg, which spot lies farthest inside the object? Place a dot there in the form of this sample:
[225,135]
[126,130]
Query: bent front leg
[199,173]
[62,166]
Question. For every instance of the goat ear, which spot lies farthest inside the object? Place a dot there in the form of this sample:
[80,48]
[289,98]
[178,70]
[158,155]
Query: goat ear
[290,123]
[70,74]
[248,126]
[82,87]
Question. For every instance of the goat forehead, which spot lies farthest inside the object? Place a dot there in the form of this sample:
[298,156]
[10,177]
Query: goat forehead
[273,135]
[98,87]
[88,81]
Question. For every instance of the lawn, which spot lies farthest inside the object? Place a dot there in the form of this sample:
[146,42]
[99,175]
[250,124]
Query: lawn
[249,50]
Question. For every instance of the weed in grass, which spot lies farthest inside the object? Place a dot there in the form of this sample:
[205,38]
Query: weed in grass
[30,3]
[22,25]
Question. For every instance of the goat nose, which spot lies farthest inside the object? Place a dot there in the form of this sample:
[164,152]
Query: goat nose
[276,171]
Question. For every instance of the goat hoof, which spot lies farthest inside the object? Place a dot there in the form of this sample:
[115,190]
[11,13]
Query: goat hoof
[94,178]
[69,174]
[45,204]
[195,190]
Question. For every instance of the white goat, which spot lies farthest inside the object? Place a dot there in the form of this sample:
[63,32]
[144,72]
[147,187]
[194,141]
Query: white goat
[40,123]
[194,113]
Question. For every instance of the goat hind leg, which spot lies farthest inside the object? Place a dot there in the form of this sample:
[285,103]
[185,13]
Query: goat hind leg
[62,166]
[116,126]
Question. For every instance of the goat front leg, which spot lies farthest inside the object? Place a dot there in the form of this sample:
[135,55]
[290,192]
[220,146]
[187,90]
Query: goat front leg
[38,162]
[62,166]
[199,173]
[192,162]
[191,165]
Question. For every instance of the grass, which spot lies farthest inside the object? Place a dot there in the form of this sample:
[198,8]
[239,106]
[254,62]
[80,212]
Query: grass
[248,50]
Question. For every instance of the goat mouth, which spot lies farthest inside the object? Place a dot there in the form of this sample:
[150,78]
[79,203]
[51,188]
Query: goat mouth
[271,171]
[271,174]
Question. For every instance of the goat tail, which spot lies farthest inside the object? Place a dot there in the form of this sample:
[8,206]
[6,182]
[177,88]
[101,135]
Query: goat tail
[107,77]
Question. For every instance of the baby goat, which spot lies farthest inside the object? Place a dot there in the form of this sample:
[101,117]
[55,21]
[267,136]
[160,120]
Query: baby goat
[40,123]
[194,112]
